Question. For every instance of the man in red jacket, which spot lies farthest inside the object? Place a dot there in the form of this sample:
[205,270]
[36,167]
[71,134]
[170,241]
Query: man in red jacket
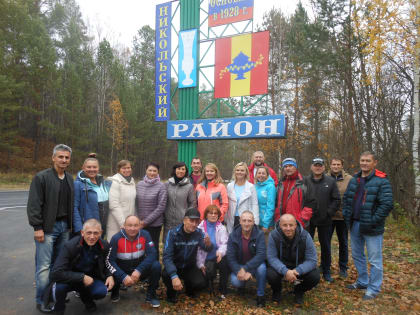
[294,196]
[258,160]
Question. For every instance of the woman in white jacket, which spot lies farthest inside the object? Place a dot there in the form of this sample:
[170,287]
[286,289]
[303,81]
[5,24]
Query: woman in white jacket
[242,196]
[122,198]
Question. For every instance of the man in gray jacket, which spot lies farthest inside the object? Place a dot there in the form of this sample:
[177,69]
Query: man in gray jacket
[50,208]
[292,257]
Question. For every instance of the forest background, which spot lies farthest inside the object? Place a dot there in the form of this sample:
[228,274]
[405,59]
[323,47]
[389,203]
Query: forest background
[343,73]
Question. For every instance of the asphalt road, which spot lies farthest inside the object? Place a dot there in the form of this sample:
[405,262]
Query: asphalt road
[17,252]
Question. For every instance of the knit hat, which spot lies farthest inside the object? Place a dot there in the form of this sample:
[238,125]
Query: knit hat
[289,161]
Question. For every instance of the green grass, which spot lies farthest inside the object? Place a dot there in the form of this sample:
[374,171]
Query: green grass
[13,180]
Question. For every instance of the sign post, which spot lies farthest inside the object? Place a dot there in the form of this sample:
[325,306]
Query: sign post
[188,97]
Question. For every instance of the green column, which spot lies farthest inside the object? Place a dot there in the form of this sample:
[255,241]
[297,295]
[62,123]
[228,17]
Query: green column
[188,97]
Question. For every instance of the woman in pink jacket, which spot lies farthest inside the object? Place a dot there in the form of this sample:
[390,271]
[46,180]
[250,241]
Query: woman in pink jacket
[209,262]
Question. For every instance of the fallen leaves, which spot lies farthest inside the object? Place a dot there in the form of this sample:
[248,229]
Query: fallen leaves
[400,289]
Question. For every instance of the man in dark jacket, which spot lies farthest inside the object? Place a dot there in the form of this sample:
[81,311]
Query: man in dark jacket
[50,208]
[292,257]
[132,258]
[81,267]
[246,255]
[327,203]
[367,202]
[180,256]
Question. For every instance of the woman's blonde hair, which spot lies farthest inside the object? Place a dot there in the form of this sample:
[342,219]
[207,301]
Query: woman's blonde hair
[217,179]
[246,171]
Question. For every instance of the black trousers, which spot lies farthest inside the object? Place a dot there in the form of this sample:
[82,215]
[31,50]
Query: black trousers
[154,232]
[193,280]
[343,241]
[309,280]
[324,237]
[211,273]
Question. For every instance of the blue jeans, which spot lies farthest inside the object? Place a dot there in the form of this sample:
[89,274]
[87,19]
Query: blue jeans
[96,291]
[45,255]
[261,278]
[373,243]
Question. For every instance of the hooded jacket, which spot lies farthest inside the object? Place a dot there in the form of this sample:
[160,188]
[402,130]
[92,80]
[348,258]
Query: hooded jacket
[283,256]
[221,242]
[272,174]
[128,255]
[43,200]
[377,202]
[342,180]
[151,201]
[181,196]
[248,201]
[327,199]
[180,250]
[122,199]
[209,193]
[86,199]
[256,247]
[266,192]
[300,200]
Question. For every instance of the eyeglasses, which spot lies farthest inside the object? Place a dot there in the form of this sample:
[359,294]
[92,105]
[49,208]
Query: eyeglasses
[213,213]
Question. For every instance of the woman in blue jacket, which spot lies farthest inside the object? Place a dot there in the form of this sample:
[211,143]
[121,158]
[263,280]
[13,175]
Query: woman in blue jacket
[90,195]
[266,192]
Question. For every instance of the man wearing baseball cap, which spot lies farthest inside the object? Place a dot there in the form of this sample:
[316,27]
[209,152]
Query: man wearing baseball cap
[327,203]
[294,196]
[179,256]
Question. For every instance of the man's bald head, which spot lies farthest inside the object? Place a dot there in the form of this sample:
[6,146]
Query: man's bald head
[287,217]
[288,225]
[131,217]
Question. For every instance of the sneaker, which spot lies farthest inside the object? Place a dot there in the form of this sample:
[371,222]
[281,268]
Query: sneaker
[153,300]
[299,297]
[368,297]
[43,309]
[123,287]
[276,296]
[260,301]
[343,273]
[356,286]
[327,277]
[115,296]
[90,307]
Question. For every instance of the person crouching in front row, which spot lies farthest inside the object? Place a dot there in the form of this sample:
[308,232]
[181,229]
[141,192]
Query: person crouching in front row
[180,256]
[292,257]
[133,257]
[216,258]
[81,267]
[246,255]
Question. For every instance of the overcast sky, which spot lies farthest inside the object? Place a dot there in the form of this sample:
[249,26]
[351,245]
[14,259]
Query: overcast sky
[119,20]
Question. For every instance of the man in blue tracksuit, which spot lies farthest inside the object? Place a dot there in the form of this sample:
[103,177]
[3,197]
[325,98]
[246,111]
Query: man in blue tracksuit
[180,256]
[292,257]
[246,255]
[132,258]
[366,204]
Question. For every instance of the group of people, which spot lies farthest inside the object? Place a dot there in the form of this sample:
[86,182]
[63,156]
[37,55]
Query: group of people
[255,227]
